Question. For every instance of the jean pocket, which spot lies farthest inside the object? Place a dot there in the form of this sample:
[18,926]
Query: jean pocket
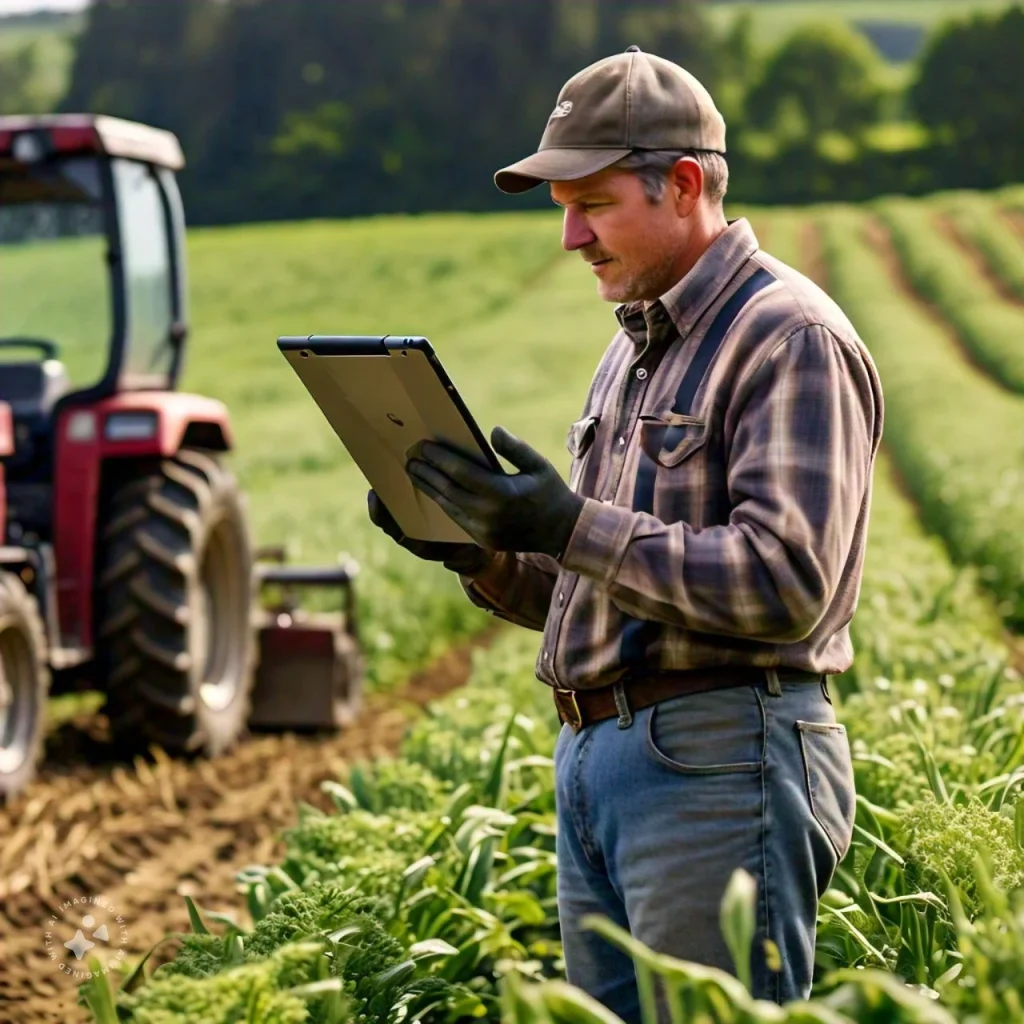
[828,771]
[715,733]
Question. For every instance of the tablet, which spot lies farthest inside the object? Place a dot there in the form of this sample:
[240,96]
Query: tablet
[381,395]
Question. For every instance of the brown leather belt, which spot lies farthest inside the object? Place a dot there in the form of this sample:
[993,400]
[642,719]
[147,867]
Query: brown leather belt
[580,708]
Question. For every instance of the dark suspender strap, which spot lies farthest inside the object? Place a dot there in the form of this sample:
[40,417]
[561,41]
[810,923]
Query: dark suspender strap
[638,634]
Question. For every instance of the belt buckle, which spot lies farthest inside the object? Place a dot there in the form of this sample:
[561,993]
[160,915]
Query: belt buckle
[568,708]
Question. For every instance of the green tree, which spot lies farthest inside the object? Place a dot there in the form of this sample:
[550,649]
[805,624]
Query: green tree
[968,89]
[17,72]
[825,77]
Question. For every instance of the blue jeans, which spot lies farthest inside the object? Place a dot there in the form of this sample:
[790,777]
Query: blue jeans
[654,818]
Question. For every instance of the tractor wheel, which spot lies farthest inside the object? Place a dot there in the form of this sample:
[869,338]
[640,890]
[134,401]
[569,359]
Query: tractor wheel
[24,685]
[176,645]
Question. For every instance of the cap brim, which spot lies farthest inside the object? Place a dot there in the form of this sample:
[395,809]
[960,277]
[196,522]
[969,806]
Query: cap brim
[555,165]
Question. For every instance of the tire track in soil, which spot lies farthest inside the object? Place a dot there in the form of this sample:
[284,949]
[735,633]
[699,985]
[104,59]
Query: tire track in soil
[148,833]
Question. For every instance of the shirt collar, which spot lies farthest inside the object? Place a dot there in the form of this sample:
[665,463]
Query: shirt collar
[687,300]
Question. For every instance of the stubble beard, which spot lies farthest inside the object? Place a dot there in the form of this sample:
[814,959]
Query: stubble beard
[649,283]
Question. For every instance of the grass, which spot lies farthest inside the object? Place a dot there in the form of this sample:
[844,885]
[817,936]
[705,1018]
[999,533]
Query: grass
[73,308]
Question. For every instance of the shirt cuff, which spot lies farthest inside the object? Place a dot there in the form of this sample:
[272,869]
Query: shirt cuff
[599,541]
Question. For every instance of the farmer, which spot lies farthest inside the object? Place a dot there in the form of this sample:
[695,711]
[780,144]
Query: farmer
[696,578]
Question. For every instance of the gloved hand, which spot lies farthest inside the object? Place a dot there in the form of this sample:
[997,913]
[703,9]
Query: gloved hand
[456,557]
[532,510]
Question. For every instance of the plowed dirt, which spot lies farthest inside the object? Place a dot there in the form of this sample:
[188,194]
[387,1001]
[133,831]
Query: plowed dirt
[147,833]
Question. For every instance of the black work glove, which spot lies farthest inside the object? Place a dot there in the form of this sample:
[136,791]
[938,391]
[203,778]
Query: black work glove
[532,510]
[456,557]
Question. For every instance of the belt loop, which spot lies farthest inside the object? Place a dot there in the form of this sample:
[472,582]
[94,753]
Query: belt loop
[774,686]
[622,706]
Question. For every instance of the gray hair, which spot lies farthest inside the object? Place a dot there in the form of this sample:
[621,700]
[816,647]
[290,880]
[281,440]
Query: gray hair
[651,166]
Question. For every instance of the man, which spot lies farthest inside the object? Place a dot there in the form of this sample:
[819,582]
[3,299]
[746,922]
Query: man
[696,579]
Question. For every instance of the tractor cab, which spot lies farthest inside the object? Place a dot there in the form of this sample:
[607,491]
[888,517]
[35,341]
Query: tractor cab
[92,290]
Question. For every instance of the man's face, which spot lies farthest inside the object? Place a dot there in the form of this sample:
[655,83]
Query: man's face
[631,244]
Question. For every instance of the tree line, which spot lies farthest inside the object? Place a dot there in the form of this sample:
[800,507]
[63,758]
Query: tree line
[314,108]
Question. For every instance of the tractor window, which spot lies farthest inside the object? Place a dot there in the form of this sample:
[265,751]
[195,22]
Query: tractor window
[54,277]
[146,249]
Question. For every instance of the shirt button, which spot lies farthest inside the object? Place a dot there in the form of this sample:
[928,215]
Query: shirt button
[641,374]
[622,442]
[561,597]
[545,655]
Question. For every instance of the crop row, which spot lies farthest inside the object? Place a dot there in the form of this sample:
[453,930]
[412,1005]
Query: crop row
[946,277]
[956,436]
[977,219]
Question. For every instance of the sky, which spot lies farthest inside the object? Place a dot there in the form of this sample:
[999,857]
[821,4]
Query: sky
[21,6]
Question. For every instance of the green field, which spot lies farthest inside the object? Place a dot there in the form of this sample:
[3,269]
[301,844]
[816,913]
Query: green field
[433,883]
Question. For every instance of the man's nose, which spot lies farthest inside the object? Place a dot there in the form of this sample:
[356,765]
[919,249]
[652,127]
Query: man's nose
[576,231]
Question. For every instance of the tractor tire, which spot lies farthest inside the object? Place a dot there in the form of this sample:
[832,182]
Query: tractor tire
[176,641]
[24,685]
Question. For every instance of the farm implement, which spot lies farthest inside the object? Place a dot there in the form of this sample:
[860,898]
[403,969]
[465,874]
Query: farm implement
[125,557]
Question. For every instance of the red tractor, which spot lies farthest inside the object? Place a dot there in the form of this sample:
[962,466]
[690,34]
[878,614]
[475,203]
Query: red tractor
[126,565]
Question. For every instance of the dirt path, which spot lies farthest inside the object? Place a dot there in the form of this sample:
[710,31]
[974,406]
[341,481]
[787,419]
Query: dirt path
[144,835]
[949,229]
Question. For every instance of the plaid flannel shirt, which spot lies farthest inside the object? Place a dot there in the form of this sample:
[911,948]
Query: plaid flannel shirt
[725,450]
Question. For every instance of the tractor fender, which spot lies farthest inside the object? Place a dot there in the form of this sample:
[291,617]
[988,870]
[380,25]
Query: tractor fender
[148,423]
[126,426]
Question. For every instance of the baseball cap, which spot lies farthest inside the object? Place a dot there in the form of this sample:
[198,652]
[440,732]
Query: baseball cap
[632,100]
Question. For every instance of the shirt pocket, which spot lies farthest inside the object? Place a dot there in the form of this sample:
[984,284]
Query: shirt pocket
[579,441]
[671,438]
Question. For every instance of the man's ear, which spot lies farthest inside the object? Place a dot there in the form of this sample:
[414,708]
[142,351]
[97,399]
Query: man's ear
[686,179]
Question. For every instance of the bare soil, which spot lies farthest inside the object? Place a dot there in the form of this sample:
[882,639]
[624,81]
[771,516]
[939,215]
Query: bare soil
[147,833]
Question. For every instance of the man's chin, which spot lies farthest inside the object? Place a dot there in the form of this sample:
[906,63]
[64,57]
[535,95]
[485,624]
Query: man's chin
[611,292]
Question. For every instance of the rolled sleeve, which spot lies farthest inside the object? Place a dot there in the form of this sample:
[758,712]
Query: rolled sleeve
[599,542]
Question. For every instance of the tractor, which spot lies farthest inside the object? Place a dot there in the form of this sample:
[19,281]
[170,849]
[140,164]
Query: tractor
[126,564]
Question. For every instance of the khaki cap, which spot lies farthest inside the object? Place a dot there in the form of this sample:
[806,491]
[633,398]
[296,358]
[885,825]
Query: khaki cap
[633,100]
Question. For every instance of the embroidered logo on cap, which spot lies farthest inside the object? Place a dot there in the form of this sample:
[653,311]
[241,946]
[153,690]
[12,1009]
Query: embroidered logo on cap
[564,109]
